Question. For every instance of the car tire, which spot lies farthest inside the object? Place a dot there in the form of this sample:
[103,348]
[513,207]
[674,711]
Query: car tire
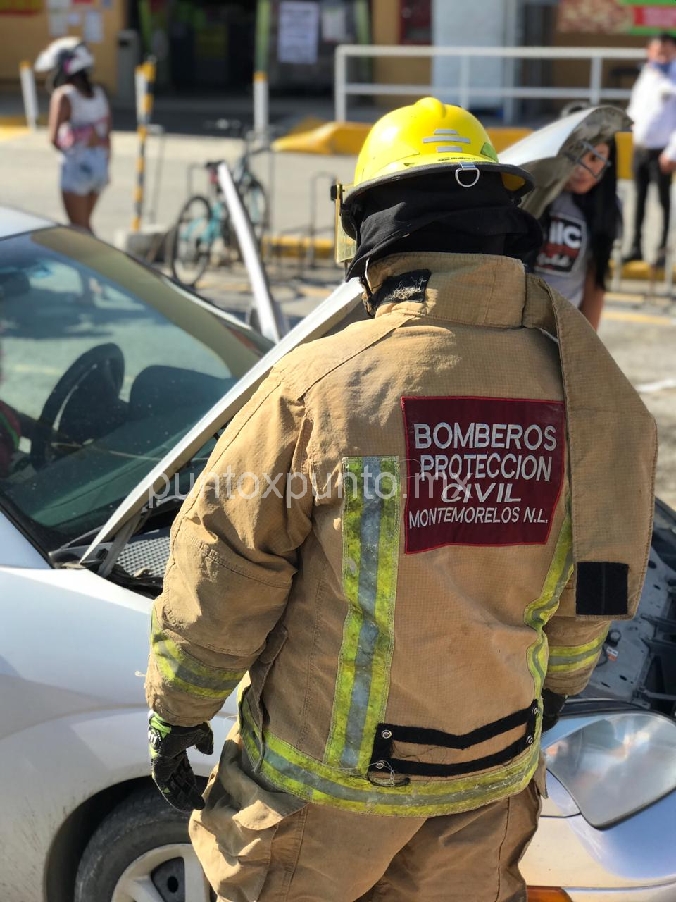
[143,839]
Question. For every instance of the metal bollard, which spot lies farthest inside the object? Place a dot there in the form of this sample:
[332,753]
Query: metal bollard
[30,98]
[260,99]
[145,79]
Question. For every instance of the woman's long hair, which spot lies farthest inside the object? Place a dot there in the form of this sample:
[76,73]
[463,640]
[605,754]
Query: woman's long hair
[603,214]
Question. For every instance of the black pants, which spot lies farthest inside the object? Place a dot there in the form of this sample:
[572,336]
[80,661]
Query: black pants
[646,168]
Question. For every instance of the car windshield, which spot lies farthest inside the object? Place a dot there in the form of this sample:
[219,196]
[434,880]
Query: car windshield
[104,366]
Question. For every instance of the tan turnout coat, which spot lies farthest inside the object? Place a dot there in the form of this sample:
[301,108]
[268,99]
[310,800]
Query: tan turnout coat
[412,527]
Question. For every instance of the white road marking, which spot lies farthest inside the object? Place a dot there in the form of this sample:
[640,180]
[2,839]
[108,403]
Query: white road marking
[649,387]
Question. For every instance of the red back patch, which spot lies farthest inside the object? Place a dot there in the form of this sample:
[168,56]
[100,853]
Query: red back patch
[481,471]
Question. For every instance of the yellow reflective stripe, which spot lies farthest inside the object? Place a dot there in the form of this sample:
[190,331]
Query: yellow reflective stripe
[350,567]
[386,590]
[539,612]
[574,657]
[573,651]
[371,528]
[184,672]
[288,769]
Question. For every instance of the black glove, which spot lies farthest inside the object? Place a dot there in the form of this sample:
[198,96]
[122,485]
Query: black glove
[552,703]
[169,763]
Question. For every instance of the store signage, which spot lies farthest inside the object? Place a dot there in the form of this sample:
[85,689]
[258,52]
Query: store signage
[616,16]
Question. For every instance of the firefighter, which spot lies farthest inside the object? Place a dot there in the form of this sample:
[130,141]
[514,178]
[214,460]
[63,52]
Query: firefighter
[412,540]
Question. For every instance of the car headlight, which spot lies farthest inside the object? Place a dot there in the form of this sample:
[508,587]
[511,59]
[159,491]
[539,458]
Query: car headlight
[616,764]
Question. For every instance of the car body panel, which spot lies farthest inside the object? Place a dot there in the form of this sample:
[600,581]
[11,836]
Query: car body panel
[14,222]
[92,752]
[665,893]
[638,851]
[62,737]
[16,550]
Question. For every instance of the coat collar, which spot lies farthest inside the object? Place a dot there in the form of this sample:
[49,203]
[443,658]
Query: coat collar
[473,289]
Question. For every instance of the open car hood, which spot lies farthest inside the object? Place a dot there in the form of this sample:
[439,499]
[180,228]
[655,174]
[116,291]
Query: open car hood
[341,307]
[549,153]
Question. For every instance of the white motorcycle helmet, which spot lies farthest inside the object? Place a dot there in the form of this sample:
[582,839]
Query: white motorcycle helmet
[63,58]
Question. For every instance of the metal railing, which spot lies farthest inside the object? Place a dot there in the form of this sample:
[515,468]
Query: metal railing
[464,92]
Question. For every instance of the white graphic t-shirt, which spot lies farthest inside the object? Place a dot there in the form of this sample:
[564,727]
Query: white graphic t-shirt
[563,260]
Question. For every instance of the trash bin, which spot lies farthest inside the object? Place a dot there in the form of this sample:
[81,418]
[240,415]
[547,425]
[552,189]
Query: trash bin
[128,58]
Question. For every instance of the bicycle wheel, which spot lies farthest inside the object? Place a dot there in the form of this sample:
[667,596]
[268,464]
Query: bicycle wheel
[191,241]
[255,202]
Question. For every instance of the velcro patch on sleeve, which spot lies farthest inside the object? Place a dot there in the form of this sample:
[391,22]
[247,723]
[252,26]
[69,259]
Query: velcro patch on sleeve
[602,588]
[481,471]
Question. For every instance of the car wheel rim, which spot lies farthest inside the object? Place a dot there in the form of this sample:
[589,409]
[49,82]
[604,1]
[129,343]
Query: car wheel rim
[167,874]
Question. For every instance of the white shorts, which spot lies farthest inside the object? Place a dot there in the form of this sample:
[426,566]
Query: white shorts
[84,170]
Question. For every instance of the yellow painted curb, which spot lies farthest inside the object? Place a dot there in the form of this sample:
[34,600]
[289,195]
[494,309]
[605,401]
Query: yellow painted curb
[12,121]
[502,138]
[8,132]
[297,246]
[307,124]
[616,297]
[339,138]
[19,121]
[14,126]
[640,271]
[626,316]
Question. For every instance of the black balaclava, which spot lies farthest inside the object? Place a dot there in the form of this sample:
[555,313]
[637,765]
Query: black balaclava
[434,213]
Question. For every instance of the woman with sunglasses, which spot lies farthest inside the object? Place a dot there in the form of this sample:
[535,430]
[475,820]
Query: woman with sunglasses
[580,227]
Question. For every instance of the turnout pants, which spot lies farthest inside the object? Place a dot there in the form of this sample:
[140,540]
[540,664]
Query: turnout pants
[259,845]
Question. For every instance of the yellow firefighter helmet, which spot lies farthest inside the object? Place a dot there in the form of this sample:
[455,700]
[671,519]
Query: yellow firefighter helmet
[428,137]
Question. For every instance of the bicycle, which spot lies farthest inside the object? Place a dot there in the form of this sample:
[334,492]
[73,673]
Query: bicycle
[203,220]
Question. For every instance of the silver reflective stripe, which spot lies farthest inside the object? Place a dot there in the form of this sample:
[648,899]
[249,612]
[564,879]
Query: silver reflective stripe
[371,528]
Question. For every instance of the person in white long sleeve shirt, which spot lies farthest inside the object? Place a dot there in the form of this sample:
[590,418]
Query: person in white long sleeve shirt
[653,110]
[668,156]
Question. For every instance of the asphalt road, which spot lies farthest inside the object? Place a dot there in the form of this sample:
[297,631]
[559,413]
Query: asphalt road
[642,339]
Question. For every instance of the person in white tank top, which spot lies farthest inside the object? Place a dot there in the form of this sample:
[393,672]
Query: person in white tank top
[79,127]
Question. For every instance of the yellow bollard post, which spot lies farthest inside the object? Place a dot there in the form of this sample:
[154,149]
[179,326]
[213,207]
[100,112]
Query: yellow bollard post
[147,75]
